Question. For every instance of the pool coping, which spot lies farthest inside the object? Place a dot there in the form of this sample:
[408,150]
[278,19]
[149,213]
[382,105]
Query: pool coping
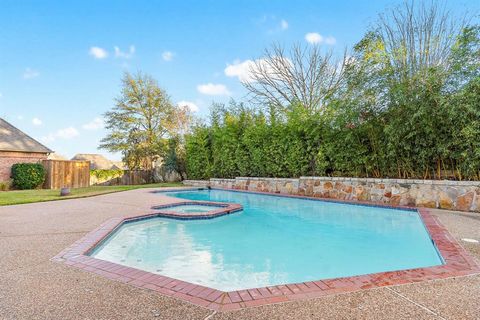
[225,208]
[457,262]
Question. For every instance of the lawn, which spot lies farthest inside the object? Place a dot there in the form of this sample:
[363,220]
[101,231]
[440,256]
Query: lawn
[40,195]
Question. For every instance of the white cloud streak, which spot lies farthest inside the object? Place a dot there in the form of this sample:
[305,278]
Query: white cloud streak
[244,70]
[65,134]
[212,89]
[30,74]
[330,40]
[95,124]
[317,38]
[125,55]
[167,55]
[240,69]
[98,53]
[37,122]
[192,106]
[314,38]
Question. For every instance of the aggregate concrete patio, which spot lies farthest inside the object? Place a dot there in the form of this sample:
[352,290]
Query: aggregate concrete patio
[33,287]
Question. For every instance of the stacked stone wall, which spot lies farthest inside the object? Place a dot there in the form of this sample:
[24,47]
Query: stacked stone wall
[442,194]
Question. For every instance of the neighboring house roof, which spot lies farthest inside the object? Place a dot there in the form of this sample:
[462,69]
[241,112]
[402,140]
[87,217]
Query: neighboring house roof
[56,156]
[119,165]
[13,139]
[97,161]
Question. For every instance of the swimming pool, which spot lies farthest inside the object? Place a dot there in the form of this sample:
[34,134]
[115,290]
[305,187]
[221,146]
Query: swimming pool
[274,240]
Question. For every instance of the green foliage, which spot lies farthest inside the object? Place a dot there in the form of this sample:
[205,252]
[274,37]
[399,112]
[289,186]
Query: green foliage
[392,119]
[199,153]
[106,174]
[28,175]
[244,142]
[142,121]
[5,185]
[174,160]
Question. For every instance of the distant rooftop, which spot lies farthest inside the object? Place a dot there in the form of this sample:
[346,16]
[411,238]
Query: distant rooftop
[56,156]
[13,139]
[97,161]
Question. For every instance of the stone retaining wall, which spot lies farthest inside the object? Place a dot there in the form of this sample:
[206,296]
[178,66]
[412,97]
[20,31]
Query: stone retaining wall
[196,183]
[443,194]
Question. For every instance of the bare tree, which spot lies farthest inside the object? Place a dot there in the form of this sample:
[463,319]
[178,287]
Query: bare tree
[417,37]
[304,75]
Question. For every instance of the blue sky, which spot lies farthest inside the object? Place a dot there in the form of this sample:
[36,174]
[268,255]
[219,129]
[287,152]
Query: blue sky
[61,61]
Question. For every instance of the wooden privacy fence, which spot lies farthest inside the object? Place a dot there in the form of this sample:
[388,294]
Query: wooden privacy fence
[129,177]
[65,173]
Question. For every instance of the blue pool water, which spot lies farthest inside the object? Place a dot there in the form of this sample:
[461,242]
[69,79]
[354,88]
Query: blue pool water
[274,240]
[190,208]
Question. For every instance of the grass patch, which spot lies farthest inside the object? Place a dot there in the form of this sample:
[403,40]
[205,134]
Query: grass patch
[40,195]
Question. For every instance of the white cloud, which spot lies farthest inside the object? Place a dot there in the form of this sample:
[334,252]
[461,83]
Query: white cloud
[20,117]
[1,95]
[317,38]
[240,69]
[47,139]
[37,122]
[126,55]
[314,38]
[330,40]
[30,73]
[192,106]
[272,24]
[167,55]
[243,70]
[65,133]
[95,124]
[212,89]
[98,53]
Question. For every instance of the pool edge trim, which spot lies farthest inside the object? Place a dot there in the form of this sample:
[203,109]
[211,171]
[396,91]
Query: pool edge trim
[457,262]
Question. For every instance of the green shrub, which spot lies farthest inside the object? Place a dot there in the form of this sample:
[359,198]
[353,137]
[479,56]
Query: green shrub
[28,175]
[106,174]
[5,185]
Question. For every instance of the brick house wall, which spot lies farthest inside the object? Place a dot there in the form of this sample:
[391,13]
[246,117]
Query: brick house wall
[9,158]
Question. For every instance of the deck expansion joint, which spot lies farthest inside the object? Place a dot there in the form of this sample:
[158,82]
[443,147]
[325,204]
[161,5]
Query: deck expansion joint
[416,303]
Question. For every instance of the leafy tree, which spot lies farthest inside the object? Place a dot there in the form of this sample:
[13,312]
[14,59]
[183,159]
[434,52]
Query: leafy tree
[199,153]
[140,122]
[174,160]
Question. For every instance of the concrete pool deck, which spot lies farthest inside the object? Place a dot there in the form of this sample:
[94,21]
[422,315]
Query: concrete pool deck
[33,287]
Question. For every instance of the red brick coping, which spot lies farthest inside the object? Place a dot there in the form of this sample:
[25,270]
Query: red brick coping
[218,209]
[457,263]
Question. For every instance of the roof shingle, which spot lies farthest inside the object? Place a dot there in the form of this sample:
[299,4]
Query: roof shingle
[13,139]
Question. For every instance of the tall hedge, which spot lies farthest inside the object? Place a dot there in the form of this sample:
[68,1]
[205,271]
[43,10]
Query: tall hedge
[434,141]
[389,119]
[28,175]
